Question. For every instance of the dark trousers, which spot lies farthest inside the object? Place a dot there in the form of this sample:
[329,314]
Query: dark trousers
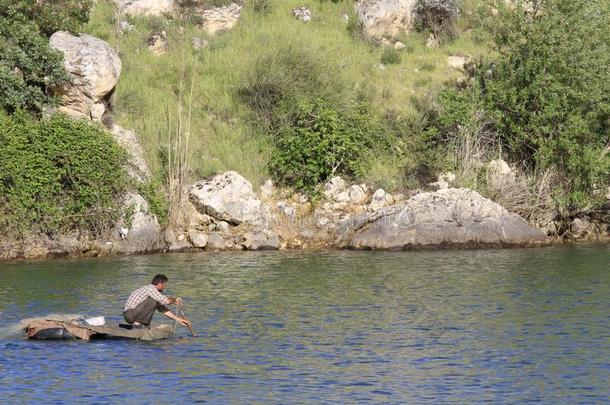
[143,312]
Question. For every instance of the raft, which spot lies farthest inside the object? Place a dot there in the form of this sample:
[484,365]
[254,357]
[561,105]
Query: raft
[52,329]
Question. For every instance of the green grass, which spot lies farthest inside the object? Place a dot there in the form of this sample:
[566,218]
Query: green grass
[222,136]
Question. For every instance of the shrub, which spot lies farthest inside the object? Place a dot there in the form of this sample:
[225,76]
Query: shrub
[390,56]
[57,175]
[261,6]
[28,66]
[437,17]
[324,142]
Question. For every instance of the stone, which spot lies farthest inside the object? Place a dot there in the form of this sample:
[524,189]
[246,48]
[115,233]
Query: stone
[322,222]
[157,43]
[220,19]
[357,194]
[302,14]
[443,182]
[199,43]
[399,46]
[456,217]
[385,18]
[582,228]
[379,200]
[458,62]
[138,231]
[333,187]
[432,41]
[227,197]
[137,168]
[125,26]
[148,8]
[198,239]
[223,226]
[94,68]
[267,189]
[499,174]
[261,240]
[215,242]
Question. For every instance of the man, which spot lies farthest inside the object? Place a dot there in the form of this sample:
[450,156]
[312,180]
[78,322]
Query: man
[143,302]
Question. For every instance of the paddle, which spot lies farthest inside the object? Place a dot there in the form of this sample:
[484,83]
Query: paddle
[179,308]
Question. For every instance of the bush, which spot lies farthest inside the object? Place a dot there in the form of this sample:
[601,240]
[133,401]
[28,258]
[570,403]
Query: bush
[390,56]
[57,175]
[437,17]
[324,142]
[28,66]
[547,96]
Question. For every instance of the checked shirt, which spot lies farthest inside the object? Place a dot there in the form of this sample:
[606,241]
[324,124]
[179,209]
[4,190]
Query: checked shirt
[141,294]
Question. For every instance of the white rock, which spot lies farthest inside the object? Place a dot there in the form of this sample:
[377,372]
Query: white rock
[333,187]
[380,199]
[94,68]
[302,14]
[381,18]
[267,189]
[399,46]
[136,164]
[457,62]
[499,174]
[357,195]
[198,239]
[149,8]
[220,19]
[227,197]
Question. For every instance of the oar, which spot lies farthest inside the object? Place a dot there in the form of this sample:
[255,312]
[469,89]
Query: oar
[184,317]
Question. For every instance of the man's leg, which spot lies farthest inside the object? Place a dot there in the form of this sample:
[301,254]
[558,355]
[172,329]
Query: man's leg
[142,313]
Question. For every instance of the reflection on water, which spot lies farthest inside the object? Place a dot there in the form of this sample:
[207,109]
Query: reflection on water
[498,326]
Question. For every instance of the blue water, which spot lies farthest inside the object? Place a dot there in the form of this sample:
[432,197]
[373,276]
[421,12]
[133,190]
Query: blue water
[493,326]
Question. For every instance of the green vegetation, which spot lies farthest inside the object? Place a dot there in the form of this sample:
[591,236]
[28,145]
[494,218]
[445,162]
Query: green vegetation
[546,96]
[28,66]
[249,82]
[57,175]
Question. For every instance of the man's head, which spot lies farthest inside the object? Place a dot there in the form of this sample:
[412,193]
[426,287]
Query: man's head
[160,281]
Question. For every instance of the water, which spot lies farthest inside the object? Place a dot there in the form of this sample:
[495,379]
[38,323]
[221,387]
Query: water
[500,326]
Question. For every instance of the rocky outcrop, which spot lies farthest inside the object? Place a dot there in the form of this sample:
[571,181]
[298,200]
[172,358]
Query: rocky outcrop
[220,19]
[227,197]
[136,164]
[385,18]
[94,68]
[454,217]
[149,8]
[138,231]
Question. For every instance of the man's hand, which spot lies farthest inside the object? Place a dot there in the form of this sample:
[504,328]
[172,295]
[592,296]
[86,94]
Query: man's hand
[178,300]
[184,322]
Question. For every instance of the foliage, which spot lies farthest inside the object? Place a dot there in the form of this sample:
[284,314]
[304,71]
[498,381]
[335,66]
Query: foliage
[152,191]
[390,56]
[28,67]
[57,174]
[324,142]
[437,17]
[548,93]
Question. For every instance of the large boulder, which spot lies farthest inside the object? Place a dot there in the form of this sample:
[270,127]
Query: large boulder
[227,197]
[455,217]
[385,18]
[94,68]
[149,8]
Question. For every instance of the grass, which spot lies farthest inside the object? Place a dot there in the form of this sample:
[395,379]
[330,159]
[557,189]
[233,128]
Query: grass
[222,137]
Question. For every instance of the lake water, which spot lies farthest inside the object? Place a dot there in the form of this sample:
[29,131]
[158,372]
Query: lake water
[499,326]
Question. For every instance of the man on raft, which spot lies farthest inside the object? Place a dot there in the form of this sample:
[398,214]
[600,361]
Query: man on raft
[143,302]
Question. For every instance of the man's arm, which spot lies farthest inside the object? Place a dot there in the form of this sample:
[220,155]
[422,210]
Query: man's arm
[182,321]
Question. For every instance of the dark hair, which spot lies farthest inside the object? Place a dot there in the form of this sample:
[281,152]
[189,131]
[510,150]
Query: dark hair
[159,278]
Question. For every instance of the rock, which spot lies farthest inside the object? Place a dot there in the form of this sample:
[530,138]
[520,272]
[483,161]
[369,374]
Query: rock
[262,240]
[148,8]
[94,68]
[198,221]
[199,43]
[458,62]
[582,228]
[227,197]
[125,26]
[345,17]
[333,187]
[456,217]
[380,199]
[223,226]
[399,46]
[322,222]
[499,174]
[136,164]
[385,18]
[220,19]
[143,230]
[157,42]
[267,189]
[198,239]
[215,242]
[432,41]
[302,13]
[357,194]
[444,181]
